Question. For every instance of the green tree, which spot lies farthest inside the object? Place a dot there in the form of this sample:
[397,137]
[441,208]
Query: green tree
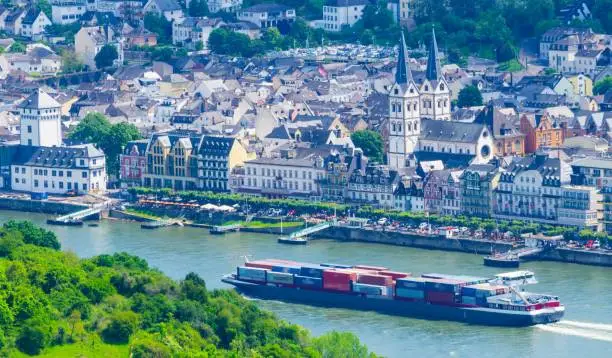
[159,25]
[33,234]
[35,335]
[199,46]
[93,128]
[340,345]
[603,12]
[70,62]
[469,96]
[371,143]
[603,86]
[106,57]
[505,52]
[121,327]
[111,138]
[17,47]
[198,8]
[272,38]
[45,7]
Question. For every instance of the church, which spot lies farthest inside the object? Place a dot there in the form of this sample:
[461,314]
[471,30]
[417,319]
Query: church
[40,163]
[420,126]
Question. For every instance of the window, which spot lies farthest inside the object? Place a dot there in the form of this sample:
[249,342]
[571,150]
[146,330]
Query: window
[69,174]
[84,174]
[84,186]
[35,183]
[29,129]
[82,162]
[16,170]
[53,173]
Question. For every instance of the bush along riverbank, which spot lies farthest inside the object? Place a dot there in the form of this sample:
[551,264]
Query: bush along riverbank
[54,304]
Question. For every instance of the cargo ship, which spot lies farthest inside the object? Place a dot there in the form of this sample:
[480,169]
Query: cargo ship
[498,301]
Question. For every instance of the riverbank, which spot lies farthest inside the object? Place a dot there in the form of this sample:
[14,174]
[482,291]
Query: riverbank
[39,206]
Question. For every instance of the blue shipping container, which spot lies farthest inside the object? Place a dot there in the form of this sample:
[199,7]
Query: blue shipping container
[286,269]
[336,266]
[468,291]
[414,282]
[468,300]
[251,274]
[442,287]
[410,293]
[307,281]
[369,289]
[280,277]
[311,271]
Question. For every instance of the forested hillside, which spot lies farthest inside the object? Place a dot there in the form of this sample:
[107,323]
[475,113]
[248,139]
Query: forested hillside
[54,304]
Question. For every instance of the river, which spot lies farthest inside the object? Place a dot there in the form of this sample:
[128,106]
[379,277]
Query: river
[585,290]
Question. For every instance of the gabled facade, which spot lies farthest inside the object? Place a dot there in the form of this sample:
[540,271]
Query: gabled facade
[170,9]
[33,24]
[215,6]
[434,90]
[477,185]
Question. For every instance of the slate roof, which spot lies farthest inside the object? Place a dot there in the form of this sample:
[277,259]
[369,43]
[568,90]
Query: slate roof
[216,146]
[30,16]
[55,157]
[345,3]
[267,8]
[550,169]
[449,131]
[433,72]
[39,100]
[167,5]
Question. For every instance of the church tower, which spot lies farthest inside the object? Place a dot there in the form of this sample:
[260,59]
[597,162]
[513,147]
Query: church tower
[40,121]
[404,114]
[435,94]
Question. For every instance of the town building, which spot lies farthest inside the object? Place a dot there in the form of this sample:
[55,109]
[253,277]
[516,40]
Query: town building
[478,183]
[267,15]
[373,185]
[530,189]
[291,175]
[338,14]
[215,6]
[217,157]
[435,94]
[67,12]
[409,196]
[593,172]
[581,207]
[133,163]
[33,24]
[193,32]
[172,161]
[541,131]
[170,9]
[88,41]
[41,163]
[338,169]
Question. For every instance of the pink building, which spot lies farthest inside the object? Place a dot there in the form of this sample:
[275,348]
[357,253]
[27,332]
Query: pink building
[133,163]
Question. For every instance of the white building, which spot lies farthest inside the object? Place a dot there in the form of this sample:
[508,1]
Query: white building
[170,9]
[40,121]
[224,5]
[267,15]
[340,13]
[42,164]
[90,40]
[59,170]
[283,177]
[189,31]
[67,12]
[33,24]
[581,206]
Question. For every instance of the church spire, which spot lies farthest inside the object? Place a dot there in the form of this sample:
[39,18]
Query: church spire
[433,61]
[403,74]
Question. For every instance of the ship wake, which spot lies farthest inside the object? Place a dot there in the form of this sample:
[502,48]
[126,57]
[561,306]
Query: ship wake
[595,331]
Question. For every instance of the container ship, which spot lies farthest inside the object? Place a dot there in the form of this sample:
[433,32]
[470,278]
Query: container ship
[497,301]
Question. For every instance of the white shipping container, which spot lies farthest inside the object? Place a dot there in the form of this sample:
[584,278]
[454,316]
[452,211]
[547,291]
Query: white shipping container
[280,277]
[252,274]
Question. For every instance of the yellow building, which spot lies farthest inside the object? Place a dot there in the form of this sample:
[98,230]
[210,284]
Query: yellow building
[582,84]
[184,160]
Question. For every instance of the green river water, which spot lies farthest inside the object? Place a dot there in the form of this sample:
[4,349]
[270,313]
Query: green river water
[585,290]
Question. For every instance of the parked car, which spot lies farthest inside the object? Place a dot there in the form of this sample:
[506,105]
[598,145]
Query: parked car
[382,221]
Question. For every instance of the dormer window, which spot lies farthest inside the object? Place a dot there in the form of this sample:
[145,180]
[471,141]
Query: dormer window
[396,91]
[441,86]
[426,88]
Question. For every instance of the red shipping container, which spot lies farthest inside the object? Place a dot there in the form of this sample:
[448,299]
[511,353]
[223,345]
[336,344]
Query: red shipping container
[371,268]
[378,280]
[439,297]
[259,264]
[338,280]
[394,275]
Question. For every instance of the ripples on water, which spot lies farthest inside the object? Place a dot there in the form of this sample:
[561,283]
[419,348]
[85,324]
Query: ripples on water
[586,290]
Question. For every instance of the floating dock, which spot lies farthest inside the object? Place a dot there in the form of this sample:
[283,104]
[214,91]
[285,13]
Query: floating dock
[222,229]
[76,218]
[511,258]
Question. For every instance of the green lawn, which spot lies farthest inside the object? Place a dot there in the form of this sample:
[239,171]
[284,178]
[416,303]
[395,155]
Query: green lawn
[510,66]
[81,350]
[142,213]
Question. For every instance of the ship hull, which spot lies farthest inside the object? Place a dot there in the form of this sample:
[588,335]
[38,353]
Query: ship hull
[416,309]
